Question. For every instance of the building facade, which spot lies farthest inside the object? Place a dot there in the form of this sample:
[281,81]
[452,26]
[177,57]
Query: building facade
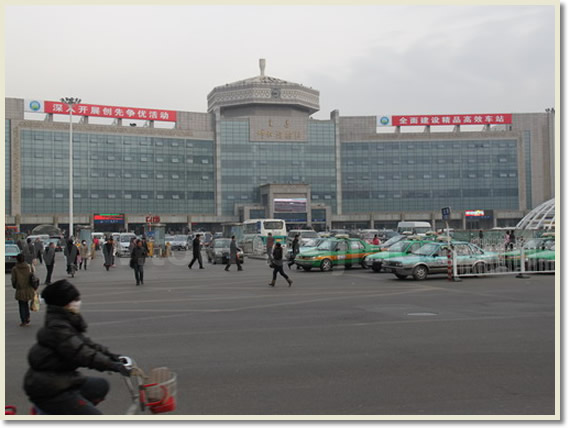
[257,152]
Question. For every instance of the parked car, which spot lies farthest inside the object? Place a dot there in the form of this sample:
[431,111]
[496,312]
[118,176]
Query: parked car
[386,234]
[305,244]
[542,260]
[179,242]
[10,251]
[219,249]
[304,234]
[432,258]
[392,241]
[398,249]
[123,247]
[57,241]
[335,251]
[512,259]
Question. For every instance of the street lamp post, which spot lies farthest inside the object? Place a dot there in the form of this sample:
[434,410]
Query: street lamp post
[70,101]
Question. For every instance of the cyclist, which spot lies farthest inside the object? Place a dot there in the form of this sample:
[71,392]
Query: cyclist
[52,382]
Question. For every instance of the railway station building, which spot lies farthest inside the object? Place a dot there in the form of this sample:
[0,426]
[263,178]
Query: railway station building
[257,152]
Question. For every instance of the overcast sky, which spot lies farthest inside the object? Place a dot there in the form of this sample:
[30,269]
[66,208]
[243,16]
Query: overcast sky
[364,60]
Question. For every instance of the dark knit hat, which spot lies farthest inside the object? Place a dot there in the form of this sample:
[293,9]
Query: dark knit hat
[60,293]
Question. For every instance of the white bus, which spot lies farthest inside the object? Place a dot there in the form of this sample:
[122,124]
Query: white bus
[256,231]
[414,227]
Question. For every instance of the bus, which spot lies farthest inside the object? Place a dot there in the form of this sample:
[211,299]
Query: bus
[414,227]
[256,231]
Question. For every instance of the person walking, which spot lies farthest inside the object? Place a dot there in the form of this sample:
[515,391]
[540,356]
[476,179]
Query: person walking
[108,253]
[49,258]
[512,239]
[376,240]
[480,238]
[507,240]
[233,255]
[278,264]
[38,249]
[295,250]
[25,293]
[196,252]
[269,246]
[84,254]
[71,253]
[93,250]
[52,382]
[28,251]
[137,260]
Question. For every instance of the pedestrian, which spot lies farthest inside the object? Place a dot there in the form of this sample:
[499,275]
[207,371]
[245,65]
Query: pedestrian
[71,253]
[145,245]
[507,240]
[49,258]
[108,253]
[28,251]
[38,249]
[25,293]
[233,255]
[269,246]
[278,265]
[481,238]
[295,250]
[512,239]
[93,250]
[84,253]
[96,243]
[196,252]
[376,240]
[53,383]
[137,259]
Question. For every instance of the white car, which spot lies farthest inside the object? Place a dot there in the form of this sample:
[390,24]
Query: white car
[123,247]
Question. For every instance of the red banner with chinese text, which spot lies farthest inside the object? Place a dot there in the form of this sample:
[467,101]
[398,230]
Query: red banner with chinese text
[111,111]
[453,119]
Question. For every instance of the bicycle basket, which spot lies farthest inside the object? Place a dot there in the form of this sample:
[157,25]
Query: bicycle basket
[159,394]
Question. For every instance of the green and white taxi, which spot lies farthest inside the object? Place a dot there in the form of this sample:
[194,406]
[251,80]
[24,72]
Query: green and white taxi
[432,258]
[399,249]
[335,252]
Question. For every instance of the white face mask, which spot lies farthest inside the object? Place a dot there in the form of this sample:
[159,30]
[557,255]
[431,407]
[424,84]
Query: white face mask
[74,306]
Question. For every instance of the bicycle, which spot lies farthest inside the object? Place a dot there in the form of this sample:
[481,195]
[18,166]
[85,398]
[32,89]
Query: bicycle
[155,392]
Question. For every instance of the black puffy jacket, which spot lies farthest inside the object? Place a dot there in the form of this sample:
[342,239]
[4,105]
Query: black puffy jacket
[60,350]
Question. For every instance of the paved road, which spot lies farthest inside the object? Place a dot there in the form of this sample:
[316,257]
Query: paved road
[340,343]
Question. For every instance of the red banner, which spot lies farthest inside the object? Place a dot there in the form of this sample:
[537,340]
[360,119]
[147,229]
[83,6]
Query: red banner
[452,119]
[110,111]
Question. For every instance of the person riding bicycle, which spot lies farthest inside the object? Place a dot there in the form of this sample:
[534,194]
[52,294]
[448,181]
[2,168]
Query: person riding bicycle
[52,383]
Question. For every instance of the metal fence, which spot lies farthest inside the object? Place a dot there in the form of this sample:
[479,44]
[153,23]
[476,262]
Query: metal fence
[510,259]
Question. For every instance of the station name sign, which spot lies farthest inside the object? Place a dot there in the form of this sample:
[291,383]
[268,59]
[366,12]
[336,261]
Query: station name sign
[446,119]
[56,107]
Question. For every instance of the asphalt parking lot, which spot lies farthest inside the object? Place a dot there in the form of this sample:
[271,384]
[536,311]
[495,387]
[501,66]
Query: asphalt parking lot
[337,343]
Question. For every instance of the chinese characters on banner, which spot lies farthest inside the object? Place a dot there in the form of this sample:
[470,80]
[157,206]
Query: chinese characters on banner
[452,119]
[111,112]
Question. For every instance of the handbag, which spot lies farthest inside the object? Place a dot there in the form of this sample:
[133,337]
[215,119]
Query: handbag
[132,263]
[34,306]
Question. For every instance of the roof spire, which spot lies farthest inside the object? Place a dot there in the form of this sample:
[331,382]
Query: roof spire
[262,63]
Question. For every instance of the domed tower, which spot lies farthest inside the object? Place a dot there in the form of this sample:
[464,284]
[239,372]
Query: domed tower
[263,95]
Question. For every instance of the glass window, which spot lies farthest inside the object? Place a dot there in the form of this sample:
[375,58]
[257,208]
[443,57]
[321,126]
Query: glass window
[356,245]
